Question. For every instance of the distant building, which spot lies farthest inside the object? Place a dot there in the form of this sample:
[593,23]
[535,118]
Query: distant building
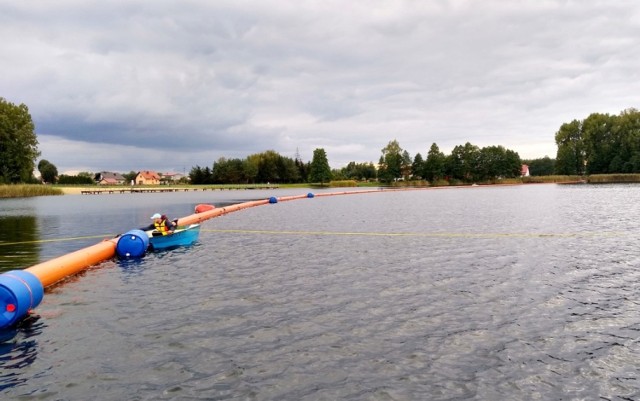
[109,178]
[525,171]
[170,178]
[147,178]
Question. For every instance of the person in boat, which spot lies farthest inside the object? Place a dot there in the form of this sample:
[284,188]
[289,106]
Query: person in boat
[161,224]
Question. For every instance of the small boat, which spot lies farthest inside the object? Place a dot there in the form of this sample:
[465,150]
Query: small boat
[182,236]
[135,243]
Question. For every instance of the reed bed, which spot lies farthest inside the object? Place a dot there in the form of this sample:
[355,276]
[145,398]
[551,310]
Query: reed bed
[343,183]
[27,190]
[549,179]
[613,178]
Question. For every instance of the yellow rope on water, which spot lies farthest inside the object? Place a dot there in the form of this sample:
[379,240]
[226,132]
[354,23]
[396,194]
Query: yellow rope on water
[56,239]
[364,234]
[434,235]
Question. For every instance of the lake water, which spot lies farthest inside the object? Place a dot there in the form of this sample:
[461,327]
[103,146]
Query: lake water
[484,293]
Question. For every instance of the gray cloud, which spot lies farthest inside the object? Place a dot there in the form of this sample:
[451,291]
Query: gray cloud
[163,86]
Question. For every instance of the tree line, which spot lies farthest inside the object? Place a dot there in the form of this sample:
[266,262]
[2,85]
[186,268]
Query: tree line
[600,144]
[466,163]
[268,166]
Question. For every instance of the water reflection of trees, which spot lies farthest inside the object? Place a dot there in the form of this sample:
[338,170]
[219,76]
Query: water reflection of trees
[18,242]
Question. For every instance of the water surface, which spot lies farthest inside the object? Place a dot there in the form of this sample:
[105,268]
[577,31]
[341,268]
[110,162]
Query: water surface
[525,292]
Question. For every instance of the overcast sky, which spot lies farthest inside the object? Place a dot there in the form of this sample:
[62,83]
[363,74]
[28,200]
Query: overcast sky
[168,85]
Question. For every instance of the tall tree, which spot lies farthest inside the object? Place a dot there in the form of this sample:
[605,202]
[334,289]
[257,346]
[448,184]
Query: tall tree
[497,162]
[544,166]
[462,163]
[268,167]
[570,158]
[391,162]
[18,143]
[600,142]
[319,170]
[628,124]
[48,172]
[303,168]
[252,167]
[359,171]
[433,168]
[406,165]
[417,166]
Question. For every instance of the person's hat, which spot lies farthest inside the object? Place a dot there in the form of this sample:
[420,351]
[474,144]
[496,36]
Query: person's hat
[156,216]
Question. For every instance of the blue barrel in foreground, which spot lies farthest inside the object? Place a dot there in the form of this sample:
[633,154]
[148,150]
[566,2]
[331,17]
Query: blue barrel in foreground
[132,244]
[20,291]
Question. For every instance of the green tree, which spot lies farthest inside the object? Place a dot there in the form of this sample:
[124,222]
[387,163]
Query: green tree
[130,176]
[83,178]
[18,143]
[319,171]
[433,168]
[391,162]
[200,176]
[600,142]
[303,168]
[359,171]
[268,167]
[628,124]
[48,171]
[252,167]
[539,167]
[417,166]
[228,171]
[463,162]
[406,165]
[497,162]
[570,158]
[287,170]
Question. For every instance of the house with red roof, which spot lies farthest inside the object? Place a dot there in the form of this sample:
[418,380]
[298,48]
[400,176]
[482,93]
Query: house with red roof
[147,177]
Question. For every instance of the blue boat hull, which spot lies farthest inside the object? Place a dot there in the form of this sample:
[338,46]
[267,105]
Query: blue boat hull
[180,237]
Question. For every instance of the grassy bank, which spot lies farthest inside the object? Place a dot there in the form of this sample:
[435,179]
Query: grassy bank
[27,190]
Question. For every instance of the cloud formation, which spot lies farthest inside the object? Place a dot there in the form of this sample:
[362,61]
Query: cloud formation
[170,85]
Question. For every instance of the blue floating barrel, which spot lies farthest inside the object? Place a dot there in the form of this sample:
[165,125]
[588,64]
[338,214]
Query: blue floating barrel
[273,199]
[132,244]
[20,291]
[310,195]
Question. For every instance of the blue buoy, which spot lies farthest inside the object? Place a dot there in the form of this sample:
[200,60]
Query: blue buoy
[273,199]
[132,244]
[20,291]
[310,195]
